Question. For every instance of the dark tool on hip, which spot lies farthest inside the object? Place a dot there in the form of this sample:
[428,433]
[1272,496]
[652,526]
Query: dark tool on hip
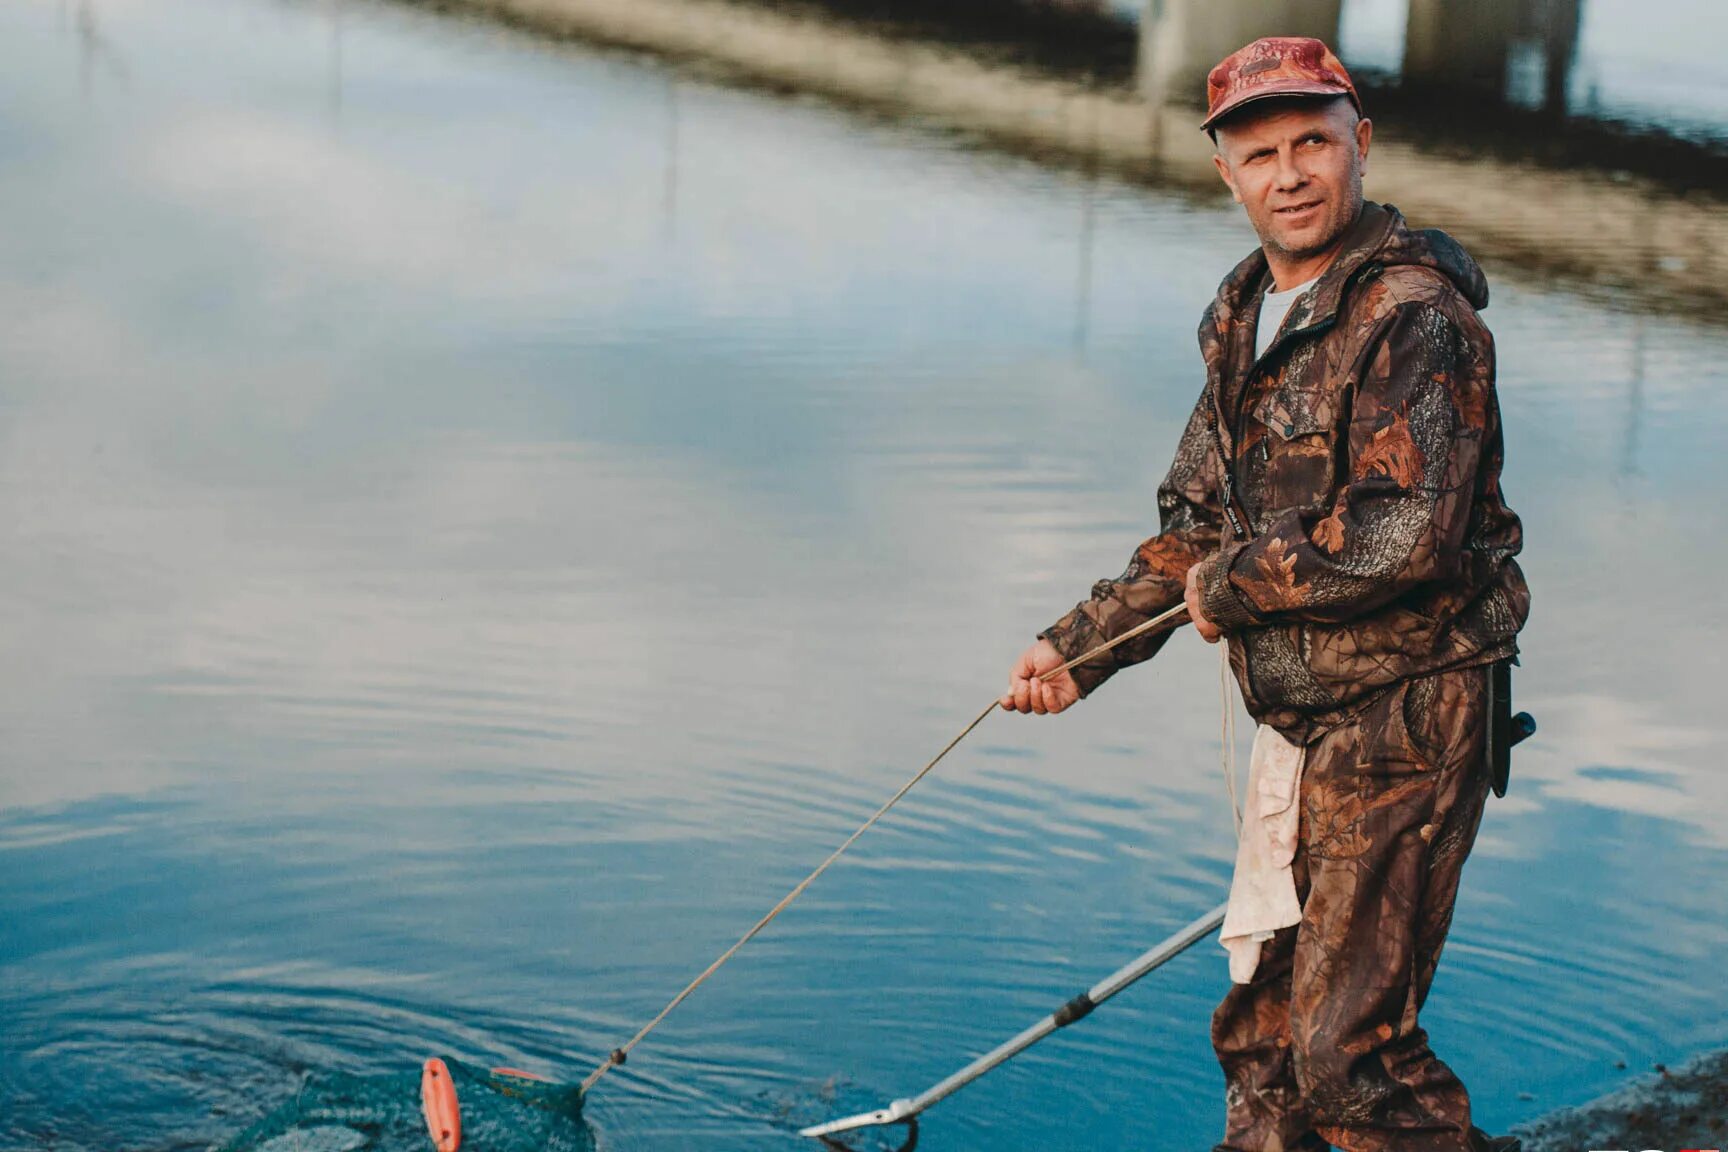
[1504,729]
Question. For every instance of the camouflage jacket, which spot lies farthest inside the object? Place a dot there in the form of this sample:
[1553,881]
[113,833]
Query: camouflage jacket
[1357,536]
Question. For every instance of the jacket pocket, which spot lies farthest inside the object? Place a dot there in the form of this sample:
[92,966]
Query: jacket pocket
[1289,413]
[1297,445]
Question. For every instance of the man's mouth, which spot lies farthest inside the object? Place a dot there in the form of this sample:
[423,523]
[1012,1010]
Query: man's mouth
[1297,209]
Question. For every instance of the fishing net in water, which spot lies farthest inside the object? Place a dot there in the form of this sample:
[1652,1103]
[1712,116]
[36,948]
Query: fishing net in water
[500,1112]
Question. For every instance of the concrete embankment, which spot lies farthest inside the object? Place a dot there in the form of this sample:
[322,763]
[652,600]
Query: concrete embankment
[1608,229]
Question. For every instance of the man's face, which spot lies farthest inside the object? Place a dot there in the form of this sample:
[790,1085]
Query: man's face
[1296,166]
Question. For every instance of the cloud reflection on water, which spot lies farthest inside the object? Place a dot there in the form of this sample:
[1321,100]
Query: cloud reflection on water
[402,494]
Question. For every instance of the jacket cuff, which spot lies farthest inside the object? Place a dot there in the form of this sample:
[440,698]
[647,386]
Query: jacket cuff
[1074,635]
[1223,605]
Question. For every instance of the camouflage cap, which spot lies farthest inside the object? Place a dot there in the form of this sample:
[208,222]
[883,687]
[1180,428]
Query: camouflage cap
[1275,66]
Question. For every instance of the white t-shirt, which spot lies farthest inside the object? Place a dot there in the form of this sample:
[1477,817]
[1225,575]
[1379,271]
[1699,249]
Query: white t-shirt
[1273,309]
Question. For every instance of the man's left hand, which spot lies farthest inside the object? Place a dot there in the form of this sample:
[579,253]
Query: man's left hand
[1209,631]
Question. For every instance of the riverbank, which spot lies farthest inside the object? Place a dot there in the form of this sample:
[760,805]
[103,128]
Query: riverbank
[1619,232]
[1667,1109]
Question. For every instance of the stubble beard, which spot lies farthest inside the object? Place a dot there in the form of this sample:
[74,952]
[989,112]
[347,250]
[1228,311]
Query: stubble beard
[1337,227]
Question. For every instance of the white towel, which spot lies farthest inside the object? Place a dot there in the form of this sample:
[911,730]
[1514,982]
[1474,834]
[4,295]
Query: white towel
[1263,890]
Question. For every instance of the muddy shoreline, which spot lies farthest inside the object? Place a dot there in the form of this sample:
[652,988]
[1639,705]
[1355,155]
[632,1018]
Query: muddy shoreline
[1668,1109]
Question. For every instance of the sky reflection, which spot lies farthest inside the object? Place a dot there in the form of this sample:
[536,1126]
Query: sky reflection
[542,502]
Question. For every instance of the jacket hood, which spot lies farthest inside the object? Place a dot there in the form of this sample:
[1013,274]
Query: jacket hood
[1432,248]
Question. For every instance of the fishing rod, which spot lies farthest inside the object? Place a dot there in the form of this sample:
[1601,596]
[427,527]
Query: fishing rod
[1175,616]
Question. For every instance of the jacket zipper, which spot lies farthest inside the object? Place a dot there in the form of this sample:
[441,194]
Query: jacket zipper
[1228,467]
[1228,462]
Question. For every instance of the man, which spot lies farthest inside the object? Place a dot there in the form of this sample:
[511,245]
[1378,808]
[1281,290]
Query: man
[1333,513]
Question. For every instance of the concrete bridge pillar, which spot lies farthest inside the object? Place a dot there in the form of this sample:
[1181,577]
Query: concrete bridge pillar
[1459,43]
[1515,50]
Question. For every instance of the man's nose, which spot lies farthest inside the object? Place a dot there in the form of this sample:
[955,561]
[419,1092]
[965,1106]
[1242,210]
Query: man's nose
[1288,177]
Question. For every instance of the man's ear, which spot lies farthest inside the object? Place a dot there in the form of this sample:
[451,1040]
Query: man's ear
[1224,171]
[1364,134]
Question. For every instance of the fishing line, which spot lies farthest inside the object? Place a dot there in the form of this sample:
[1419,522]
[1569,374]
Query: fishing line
[1178,613]
[1227,737]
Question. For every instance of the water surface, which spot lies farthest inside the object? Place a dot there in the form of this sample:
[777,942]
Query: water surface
[482,520]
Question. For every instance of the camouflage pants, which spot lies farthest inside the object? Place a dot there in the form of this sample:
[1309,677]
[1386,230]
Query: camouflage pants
[1324,1046]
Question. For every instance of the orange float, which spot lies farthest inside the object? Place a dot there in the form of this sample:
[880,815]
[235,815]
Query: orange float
[438,1102]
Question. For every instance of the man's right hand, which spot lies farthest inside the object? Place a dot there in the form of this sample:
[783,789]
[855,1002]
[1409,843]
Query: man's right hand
[1209,631]
[1027,693]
